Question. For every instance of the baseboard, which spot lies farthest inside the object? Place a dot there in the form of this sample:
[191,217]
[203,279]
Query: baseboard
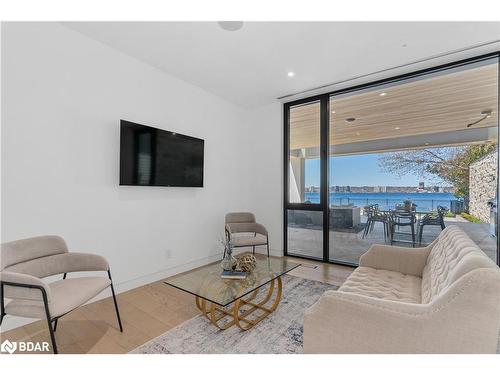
[11,322]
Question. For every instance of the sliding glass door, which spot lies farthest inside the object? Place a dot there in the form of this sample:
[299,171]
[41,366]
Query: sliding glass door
[304,199]
[393,163]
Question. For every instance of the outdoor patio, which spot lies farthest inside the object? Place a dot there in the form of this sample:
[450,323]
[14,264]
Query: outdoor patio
[349,246]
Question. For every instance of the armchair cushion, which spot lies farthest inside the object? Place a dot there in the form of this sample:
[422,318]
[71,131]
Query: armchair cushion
[240,217]
[66,295]
[243,241]
[30,248]
[61,263]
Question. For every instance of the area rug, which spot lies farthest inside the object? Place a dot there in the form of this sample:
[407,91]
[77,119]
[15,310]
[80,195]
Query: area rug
[279,333]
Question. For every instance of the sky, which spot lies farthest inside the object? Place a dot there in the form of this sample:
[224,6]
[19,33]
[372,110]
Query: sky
[359,170]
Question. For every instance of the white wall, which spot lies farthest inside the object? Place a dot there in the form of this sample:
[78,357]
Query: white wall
[265,127]
[63,95]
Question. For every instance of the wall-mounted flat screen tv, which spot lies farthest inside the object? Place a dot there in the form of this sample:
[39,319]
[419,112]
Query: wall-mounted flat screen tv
[155,157]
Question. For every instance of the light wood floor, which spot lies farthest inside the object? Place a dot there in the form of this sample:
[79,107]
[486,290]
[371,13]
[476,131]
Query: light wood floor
[146,312]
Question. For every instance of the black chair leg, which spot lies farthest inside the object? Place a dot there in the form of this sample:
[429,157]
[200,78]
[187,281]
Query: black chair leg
[49,322]
[52,337]
[413,235]
[116,303]
[267,246]
[57,319]
[2,305]
[253,249]
[365,232]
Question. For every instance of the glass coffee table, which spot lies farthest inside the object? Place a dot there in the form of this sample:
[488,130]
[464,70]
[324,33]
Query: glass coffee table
[227,302]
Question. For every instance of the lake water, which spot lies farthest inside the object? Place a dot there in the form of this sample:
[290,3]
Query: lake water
[424,201]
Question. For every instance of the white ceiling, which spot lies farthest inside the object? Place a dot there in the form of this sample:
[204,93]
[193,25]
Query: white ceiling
[249,67]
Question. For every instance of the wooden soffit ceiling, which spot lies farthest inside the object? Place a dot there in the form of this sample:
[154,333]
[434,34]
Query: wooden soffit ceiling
[430,104]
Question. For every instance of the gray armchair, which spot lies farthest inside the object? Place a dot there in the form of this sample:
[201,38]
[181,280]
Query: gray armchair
[244,222]
[24,264]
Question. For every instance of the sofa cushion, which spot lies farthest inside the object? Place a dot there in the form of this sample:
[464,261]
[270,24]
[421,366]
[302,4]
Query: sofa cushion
[387,285]
[453,255]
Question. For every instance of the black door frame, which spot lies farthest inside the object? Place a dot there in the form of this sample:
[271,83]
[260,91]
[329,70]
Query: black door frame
[324,100]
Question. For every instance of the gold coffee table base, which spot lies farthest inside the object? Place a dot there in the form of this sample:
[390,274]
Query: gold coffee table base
[236,316]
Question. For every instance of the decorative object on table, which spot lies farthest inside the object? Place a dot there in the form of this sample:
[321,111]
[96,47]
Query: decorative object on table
[235,275]
[247,263]
[229,262]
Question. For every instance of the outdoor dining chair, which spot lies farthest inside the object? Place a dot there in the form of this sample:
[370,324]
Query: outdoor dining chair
[436,219]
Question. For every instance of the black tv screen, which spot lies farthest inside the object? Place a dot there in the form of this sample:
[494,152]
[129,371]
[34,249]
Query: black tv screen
[155,157]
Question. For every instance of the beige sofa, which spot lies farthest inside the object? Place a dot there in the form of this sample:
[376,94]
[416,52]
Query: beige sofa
[444,298]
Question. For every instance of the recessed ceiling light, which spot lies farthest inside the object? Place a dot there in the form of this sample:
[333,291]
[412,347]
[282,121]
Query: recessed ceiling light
[333,111]
[231,25]
[383,94]
[350,119]
[397,128]
[290,74]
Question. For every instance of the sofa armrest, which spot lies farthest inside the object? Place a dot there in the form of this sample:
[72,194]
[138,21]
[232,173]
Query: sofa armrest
[410,261]
[28,289]
[348,323]
[463,319]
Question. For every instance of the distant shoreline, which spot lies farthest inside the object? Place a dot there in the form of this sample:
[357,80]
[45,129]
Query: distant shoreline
[424,200]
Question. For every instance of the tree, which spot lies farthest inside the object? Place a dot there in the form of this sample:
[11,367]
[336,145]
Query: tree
[451,164]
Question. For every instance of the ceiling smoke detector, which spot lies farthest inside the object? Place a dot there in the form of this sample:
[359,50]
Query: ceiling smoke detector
[231,25]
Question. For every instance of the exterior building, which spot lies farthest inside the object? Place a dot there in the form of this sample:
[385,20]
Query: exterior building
[482,185]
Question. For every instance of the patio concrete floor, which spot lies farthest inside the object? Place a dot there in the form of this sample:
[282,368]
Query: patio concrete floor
[348,247]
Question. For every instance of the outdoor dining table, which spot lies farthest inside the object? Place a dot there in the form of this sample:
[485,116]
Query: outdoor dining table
[418,213]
